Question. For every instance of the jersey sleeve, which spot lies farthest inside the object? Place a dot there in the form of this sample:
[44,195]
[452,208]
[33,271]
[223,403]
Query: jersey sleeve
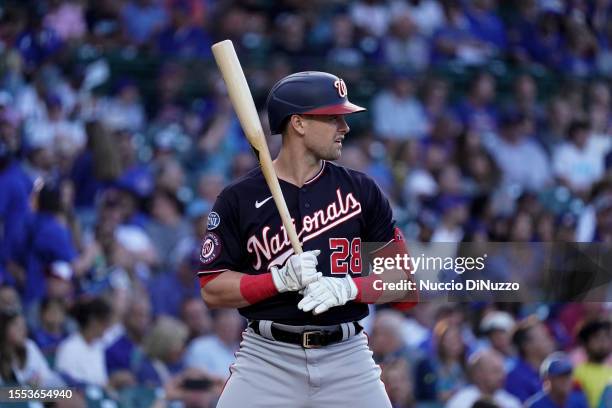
[378,216]
[221,248]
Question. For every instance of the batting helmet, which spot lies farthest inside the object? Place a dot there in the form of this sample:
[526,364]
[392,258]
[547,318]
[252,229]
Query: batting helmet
[311,92]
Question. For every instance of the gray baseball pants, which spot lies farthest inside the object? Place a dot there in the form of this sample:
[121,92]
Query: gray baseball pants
[274,374]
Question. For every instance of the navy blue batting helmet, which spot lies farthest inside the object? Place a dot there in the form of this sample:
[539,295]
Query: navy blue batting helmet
[311,92]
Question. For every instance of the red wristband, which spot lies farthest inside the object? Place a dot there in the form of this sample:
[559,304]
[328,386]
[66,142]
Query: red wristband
[255,288]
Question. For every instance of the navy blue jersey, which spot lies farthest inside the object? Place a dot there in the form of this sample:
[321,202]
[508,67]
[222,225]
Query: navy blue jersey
[334,212]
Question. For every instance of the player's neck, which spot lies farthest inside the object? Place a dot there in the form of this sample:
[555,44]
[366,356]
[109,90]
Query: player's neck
[296,167]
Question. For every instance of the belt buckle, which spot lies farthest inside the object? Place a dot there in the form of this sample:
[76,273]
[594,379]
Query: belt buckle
[306,339]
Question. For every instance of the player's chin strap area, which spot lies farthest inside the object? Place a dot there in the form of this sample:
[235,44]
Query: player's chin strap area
[307,337]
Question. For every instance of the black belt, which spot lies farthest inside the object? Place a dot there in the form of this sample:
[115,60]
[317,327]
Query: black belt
[308,339]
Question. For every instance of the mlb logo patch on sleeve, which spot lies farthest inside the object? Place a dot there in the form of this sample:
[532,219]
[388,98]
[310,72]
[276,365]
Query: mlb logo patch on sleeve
[213,221]
[211,248]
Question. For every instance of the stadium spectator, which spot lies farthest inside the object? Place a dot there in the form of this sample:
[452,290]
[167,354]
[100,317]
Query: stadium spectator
[209,187]
[477,110]
[66,18]
[603,225]
[9,299]
[196,316]
[136,178]
[436,98]
[215,353]
[453,215]
[454,42]
[397,377]
[594,374]
[80,357]
[53,328]
[142,20]
[533,344]
[166,226]
[170,288]
[386,338]
[485,24]
[56,130]
[95,167]
[426,14]
[498,327]
[525,98]
[579,57]
[124,110]
[486,370]
[398,115]
[371,16]
[21,361]
[404,46]
[343,53]
[14,210]
[579,162]
[558,392]
[521,160]
[183,38]
[444,372]
[163,351]
[119,356]
[441,143]
[554,127]
[51,245]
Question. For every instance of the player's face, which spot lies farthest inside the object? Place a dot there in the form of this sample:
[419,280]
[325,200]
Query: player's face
[324,135]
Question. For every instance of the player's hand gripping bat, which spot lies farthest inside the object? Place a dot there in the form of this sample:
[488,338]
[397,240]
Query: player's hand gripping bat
[242,100]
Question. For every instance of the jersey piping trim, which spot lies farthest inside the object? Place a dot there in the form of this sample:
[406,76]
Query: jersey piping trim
[212,271]
[318,174]
[332,225]
[382,247]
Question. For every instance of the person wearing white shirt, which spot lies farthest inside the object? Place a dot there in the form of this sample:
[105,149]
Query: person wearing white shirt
[523,161]
[486,369]
[215,353]
[398,114]
[81,355]
[22,362]
[579,162]
[428,15]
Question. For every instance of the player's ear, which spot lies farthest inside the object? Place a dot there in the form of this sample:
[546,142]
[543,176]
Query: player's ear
[298,123]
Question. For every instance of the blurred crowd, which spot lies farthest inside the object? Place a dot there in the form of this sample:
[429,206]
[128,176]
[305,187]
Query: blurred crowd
[487,121]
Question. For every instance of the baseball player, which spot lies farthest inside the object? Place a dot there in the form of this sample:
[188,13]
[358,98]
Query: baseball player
[303,346]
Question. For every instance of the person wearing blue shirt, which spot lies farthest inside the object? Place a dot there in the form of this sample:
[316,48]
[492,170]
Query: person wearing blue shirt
[52,328]
[14,211]
[477,111]
[169,290]
[534,344]
[559,392]
[485,24]
[49,240]
[122,356]
[182,38]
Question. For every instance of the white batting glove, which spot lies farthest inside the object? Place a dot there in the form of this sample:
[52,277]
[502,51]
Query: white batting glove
[327,293]
[297,273]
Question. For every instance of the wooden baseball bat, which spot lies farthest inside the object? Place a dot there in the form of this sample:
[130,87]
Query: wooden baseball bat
[242,100]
